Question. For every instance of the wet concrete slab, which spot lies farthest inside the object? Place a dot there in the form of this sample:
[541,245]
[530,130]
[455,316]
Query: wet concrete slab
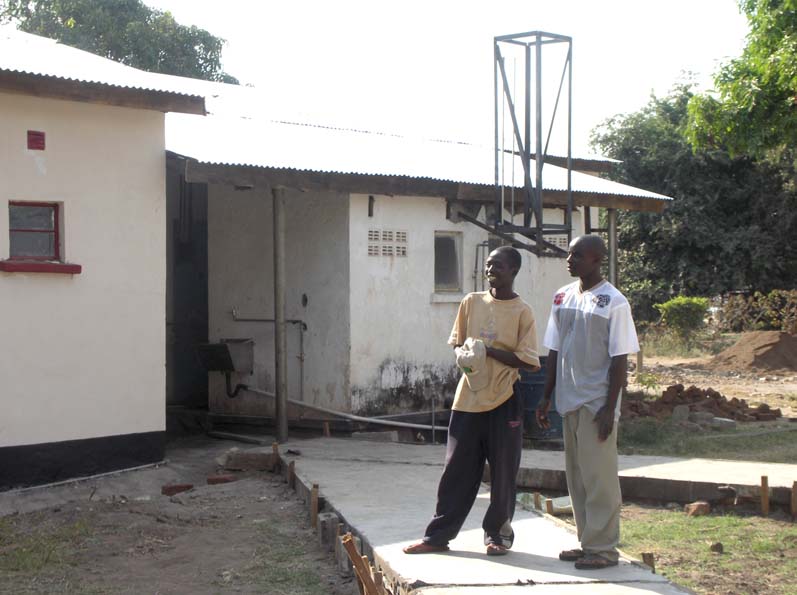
[387,496]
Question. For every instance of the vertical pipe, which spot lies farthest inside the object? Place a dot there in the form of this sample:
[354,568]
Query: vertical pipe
[611,217]
[496,56]
[587,220]
[301,361]
[569,221]
[538,134]
[280,336]
[527,135]
[434,417]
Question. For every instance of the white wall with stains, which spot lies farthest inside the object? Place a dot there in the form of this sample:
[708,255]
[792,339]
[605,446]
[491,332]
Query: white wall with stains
[399,325]
[240,276]
[83,355]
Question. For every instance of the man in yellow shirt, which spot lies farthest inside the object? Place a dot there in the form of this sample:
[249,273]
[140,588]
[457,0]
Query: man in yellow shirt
[486,423]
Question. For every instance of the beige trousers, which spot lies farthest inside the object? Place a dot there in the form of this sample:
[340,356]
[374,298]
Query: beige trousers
[593,483]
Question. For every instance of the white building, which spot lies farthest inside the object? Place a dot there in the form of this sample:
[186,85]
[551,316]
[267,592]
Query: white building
[377,257]
[158,236]
[82,266]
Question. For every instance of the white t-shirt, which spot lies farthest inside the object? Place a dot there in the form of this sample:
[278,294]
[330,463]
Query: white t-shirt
[587,330]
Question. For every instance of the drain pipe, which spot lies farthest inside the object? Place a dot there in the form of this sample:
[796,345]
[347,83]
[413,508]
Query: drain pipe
[280,336]
[350,416]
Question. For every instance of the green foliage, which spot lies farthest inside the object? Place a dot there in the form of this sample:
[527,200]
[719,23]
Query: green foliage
[123,30]
[776,310]
[649,381]
[683,315]
[753,110]
[729,227]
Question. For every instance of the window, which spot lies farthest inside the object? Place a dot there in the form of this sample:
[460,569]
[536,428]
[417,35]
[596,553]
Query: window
[447,261]
[33,231]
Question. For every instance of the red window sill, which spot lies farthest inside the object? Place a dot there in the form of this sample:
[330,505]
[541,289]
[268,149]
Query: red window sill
[30,266]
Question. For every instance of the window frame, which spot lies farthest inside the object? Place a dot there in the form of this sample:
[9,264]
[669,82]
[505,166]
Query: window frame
[56,231]
[457,236]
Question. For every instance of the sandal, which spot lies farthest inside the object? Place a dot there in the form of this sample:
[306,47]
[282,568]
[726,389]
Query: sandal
[424,548]
[594,562]
[571,555]
[493,549]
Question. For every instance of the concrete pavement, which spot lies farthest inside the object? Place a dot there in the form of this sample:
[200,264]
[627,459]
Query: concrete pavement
[661,478]
[386,493]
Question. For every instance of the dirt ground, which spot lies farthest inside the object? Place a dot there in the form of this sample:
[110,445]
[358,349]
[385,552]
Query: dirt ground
[777,390]
[250,536]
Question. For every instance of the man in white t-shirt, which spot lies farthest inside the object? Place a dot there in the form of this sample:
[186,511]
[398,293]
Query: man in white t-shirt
[590,334]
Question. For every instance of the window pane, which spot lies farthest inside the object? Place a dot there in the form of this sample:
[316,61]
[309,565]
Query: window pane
[33,244]
[25,217]
[446,263]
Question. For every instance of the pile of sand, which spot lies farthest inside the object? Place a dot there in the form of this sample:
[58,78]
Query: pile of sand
[759,350]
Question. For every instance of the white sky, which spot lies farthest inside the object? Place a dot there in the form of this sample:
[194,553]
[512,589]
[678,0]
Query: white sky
[424,68]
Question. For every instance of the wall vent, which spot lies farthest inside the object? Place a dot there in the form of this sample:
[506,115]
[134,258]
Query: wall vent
[387,242]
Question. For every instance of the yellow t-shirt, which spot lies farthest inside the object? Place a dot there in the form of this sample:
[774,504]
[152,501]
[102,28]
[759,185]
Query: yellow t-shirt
[502,324]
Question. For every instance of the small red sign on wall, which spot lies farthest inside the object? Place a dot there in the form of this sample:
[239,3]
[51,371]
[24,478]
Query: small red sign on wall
[35,140]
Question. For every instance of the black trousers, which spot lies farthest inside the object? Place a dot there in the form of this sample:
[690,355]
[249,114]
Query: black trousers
[497,437]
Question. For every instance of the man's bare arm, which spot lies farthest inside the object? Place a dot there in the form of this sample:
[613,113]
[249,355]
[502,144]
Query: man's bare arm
[510,359]
[550,383]
[618,372]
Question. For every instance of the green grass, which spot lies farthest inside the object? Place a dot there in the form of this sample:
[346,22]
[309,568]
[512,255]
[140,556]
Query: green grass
[704,343]
[44,547]
[649,436]
[280,565]
[760,555]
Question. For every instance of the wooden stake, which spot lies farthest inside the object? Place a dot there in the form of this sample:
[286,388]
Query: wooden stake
[794,501]
[379,582]
[649,560]
[292,475]
[639,360]
[327,431]
[549,506]
[314,506]
[537,501]
[765,495]
[361,568]
[275,456]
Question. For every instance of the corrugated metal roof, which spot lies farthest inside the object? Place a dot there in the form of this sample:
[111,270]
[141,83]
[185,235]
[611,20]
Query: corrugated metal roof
[240,129]
[32,54]
[228,140]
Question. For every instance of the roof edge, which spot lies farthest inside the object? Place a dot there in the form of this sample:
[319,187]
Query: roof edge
[53,87]
[395,185]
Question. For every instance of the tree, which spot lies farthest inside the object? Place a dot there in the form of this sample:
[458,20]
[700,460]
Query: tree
[123,30]
[729,227]
[754,108]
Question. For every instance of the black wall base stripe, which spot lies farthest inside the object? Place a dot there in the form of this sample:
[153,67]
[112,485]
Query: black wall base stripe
[36,464]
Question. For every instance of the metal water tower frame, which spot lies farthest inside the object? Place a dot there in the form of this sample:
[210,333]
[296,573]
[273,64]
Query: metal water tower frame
[534,227]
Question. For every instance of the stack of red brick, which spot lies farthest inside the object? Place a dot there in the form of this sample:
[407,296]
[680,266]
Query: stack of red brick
[698,399]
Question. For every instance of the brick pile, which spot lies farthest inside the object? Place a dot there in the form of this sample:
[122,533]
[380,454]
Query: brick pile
[698,399]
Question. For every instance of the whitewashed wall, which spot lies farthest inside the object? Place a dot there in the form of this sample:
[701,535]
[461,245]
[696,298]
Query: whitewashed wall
[399,327]
[241,273]
[83,355]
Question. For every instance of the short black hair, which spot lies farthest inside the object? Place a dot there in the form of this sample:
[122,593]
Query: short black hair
[515,260]
[594,243]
